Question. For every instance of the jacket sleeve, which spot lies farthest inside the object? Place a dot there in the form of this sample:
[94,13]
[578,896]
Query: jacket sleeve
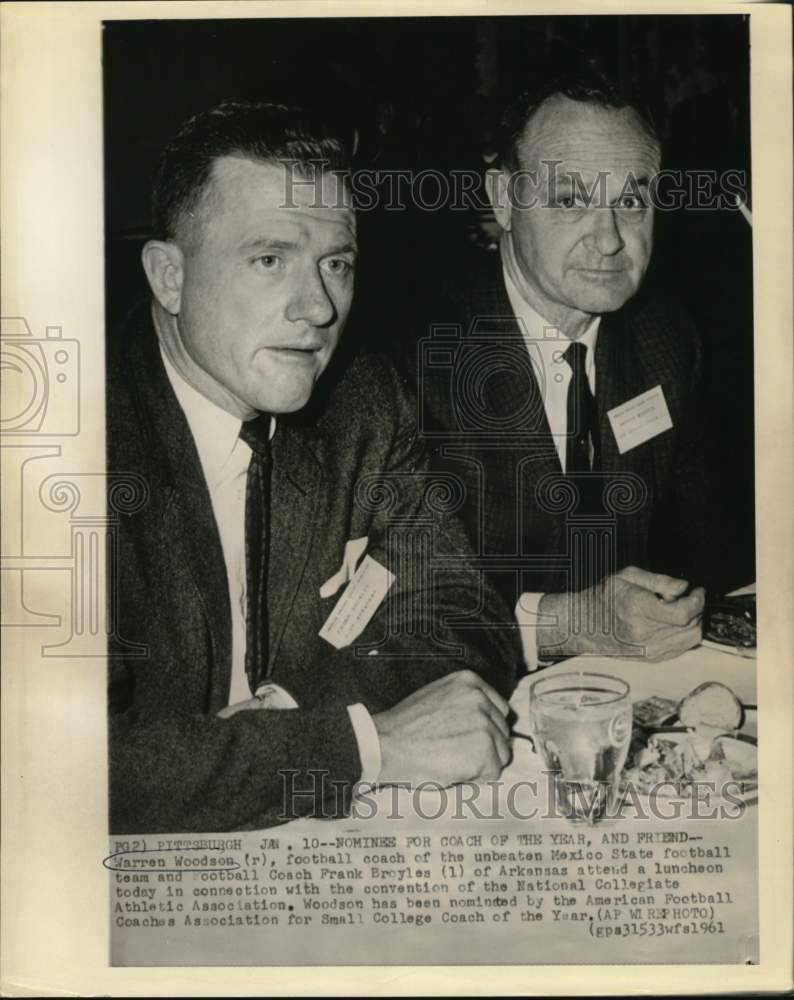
[691,489]
[196,773]
[684,542]
[176,767]
[441,613]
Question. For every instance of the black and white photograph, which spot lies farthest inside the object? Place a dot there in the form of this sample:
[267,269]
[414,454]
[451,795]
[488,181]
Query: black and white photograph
[416,560]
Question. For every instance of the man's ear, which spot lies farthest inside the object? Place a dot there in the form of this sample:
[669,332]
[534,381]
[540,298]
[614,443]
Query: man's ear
[163,264]
[497,184]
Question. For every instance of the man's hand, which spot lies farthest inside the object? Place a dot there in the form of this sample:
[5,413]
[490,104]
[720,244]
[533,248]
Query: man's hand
[632,608]
[250,704]
[451,730]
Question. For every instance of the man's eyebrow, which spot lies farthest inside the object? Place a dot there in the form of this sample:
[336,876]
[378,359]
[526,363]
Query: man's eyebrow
[571,178]
[346,248]
[274,243]
[271,243]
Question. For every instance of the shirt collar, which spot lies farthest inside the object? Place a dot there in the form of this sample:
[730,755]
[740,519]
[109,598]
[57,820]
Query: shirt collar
[215,431]
[539,332]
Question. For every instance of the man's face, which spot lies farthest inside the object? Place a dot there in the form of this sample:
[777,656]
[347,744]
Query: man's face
[571,257]
[266,289]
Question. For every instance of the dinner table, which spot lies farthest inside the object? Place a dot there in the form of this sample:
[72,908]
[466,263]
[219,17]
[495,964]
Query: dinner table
[710,917]
[490,873]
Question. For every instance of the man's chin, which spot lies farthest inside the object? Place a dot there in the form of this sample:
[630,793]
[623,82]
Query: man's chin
[287,401]
[287,406]
[602,298]
[286,384]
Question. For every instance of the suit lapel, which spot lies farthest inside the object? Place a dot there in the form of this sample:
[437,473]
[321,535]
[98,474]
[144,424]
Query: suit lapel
[522,459]
[612,384]
[186,511]
[619,378]
[297,475]
[514,387]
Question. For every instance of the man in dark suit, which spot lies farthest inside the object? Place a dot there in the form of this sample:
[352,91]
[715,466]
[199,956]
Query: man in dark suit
[566,399]
[292,568]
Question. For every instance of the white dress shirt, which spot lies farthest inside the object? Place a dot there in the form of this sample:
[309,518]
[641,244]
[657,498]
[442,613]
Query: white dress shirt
[224,458]
[547,345]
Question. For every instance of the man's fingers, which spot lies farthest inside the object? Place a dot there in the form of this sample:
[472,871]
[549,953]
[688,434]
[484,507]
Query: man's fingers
[498,720]
[668,587]
[673,643]
[497,700]
[682,612]
[688,609]
[696,602]
[503,749]
[499,757]
[240,706]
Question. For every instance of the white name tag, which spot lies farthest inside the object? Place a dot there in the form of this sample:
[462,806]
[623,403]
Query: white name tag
[354,609]
[354,550]
[640,419]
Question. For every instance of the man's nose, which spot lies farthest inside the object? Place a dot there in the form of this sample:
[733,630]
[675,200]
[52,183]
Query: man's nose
[604,235]
[311,302]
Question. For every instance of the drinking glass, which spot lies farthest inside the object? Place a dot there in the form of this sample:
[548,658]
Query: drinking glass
[581,724]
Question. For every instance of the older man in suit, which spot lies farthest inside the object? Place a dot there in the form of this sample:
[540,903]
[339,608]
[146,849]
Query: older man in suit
[294,569]
[566,399]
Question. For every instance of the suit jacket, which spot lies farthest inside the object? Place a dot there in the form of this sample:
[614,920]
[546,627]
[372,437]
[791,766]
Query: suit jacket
[350,466]
[482,414]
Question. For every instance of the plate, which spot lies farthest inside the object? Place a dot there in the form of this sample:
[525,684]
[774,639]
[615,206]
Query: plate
[730,623]
[669,767]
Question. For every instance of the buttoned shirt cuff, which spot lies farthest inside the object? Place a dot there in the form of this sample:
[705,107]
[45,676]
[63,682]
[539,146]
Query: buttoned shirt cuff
[274,696]
[527,616]
[368,743]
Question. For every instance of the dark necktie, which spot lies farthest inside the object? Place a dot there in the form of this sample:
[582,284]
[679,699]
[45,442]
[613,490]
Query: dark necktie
[256,434]
[582,417]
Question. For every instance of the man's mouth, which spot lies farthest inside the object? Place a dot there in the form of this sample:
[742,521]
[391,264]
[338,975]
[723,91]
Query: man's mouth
[601,273]
[307,349]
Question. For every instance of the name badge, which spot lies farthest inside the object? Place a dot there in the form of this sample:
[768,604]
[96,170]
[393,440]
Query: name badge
[354,550]
[360,601]
[640,419]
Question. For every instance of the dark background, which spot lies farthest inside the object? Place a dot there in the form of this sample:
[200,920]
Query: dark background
[416,93]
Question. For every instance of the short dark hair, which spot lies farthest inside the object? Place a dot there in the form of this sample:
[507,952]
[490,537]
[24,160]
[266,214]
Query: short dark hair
[268,133]
[589,86]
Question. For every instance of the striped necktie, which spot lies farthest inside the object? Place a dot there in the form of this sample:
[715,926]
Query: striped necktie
[256,434]
[582,415]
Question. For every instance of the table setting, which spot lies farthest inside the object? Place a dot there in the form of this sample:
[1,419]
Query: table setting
[648,749]
[647,792]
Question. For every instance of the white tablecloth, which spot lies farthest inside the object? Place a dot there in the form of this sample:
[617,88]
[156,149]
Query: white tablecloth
[671,679]
[433,813]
